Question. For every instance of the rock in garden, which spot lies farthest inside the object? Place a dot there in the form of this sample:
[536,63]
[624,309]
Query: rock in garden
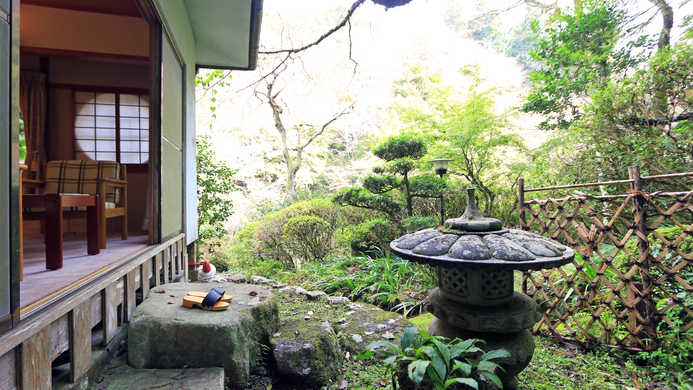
[313,295]
[366,324]
[163,335]
[308,353]
[237,279]
[338,300]
[261,280]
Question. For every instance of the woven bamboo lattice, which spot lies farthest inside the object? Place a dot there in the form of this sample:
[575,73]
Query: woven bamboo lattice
[633,270]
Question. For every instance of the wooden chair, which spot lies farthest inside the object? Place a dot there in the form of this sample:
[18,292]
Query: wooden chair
[108,179]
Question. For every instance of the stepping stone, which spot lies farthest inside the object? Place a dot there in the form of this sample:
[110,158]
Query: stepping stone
[308,353]
[164,334]
[127,378]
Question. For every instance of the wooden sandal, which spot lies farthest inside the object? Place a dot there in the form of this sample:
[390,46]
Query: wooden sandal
[209,302]
[224,298]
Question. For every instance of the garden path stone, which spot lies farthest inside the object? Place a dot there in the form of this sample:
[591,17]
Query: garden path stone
[313,295]
[261,280]
[119,376]
[338,300]
[366,323]
[167,335]
[238,279]
[307,353]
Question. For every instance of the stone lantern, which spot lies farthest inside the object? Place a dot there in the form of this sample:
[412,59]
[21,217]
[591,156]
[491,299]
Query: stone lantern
[476,258]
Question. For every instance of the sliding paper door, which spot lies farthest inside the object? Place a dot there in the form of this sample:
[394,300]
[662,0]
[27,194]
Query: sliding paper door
[172,117]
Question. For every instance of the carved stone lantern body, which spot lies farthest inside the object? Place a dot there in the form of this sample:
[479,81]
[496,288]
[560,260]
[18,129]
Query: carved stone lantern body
[476,258]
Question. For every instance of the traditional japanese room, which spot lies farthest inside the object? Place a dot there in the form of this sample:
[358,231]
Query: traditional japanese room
[84,99]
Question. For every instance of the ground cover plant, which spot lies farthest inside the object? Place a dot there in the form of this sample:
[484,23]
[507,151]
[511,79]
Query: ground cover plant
[433,361]
[555,365]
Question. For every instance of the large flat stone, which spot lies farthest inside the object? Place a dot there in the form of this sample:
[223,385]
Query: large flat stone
[119,376]
[168,335]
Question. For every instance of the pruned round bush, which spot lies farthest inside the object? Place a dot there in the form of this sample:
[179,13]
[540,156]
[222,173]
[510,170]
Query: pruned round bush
[309,238]
[297,241]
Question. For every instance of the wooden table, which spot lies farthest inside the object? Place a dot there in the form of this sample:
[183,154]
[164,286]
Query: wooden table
[53,204]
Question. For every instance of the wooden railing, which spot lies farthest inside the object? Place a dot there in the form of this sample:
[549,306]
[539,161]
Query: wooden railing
[633,273]
[66,323]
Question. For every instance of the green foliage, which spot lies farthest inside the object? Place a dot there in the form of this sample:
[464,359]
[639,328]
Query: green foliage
[614,134]
[381,279]
[303,232]
[401,147]
[557,365]
[416,222]
[520,40]
[578,54]
[382,192]
[22,141]
[220,263]
[465,125]
[209,80]
[360,197]
[431,358]
[371,236]
[308,237]
[673,357]
[214,183]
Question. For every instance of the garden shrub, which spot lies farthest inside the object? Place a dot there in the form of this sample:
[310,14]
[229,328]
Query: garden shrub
[372,235]
[308,237]
[289,237]
[221,263]
[243,247]
[418,222]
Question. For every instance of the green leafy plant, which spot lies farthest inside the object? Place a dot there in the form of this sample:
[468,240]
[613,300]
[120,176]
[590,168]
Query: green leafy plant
[214,183]
[431,358]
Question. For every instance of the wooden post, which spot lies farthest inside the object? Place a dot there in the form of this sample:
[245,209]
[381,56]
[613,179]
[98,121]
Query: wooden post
[35,362]
[130,295]
[80,340]
[144,277]
[157,268]
[109,312]
[639,216]
[521,205]
[166,263]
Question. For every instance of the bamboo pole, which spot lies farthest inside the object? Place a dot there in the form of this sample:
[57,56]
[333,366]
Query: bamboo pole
[643,247]
[521,189]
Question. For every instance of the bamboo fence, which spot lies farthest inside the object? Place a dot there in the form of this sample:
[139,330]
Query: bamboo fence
[632,276]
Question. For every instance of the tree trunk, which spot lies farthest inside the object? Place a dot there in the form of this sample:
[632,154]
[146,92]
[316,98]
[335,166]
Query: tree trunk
[410,201]
[661,91]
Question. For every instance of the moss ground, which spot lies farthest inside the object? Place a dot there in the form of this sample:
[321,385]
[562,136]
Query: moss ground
[554,365]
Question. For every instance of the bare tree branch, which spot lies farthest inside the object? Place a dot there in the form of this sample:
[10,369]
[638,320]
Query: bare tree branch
[345,111]
[334,29]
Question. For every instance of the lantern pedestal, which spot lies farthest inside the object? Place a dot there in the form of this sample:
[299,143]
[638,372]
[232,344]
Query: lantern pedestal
[476,258]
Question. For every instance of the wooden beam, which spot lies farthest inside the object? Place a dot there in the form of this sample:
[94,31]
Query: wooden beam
[60,336]
[110,313]
[144,277]
[89,55]
[130,295]
[157,269]
[35,361]
[8,370]
[167,264]
[109,7]
[80,340]
[95,309]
